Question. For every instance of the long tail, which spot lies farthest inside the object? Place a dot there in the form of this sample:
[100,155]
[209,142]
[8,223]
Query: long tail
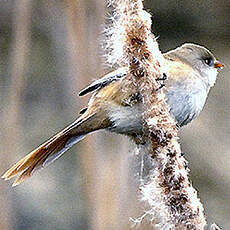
[53,148]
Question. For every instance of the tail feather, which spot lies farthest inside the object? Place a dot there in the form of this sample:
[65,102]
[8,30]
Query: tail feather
[40,157]
[50,150]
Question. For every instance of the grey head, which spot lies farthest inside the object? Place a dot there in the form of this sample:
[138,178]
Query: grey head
[200,59]
[187,91]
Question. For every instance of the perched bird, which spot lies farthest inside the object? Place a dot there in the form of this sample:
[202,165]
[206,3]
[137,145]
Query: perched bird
[192,72]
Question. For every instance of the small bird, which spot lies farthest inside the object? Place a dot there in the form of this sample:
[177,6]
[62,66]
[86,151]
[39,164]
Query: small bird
[192,72]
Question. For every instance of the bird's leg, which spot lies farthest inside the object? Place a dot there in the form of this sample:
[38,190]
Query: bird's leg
[163,78]
[160,87]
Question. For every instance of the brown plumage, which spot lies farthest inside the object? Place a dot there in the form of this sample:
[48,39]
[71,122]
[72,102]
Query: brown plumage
[55,147]
[94,118]
[116,105]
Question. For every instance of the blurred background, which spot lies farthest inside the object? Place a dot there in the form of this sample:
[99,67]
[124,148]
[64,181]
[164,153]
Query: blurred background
[49,50]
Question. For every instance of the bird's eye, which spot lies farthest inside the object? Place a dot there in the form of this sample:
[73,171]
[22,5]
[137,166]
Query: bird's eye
[209,61]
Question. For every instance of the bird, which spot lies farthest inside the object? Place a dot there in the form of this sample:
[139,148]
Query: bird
[193,70]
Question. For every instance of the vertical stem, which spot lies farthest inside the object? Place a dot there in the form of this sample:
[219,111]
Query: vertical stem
[173,202]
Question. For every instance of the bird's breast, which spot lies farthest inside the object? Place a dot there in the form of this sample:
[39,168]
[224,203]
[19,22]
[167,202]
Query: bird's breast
[186,103]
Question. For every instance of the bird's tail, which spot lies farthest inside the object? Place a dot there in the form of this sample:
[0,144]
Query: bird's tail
[54,148]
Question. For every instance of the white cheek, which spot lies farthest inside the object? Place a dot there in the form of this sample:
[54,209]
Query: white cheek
[212,77]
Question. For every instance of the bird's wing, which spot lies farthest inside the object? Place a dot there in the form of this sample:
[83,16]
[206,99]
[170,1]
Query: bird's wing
[102,82]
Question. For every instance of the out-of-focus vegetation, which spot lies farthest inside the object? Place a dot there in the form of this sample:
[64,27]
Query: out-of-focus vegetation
[49,50]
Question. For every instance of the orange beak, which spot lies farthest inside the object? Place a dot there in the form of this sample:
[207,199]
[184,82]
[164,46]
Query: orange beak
[218,65]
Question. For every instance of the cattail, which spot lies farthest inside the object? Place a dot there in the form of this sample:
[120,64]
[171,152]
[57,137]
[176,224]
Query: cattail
[171,200]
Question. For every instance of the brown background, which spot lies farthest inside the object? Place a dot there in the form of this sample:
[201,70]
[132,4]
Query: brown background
[49,50]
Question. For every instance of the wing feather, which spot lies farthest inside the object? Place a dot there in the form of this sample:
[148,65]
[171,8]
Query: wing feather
[102,82]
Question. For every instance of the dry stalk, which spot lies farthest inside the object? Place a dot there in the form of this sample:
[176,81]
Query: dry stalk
[167,190]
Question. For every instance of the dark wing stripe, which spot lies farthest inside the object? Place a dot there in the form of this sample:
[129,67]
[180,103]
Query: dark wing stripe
[83,110]
[100,83]
[89,89]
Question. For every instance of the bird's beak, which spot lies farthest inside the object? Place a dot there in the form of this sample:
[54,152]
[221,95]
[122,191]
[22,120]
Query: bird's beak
[218,65]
